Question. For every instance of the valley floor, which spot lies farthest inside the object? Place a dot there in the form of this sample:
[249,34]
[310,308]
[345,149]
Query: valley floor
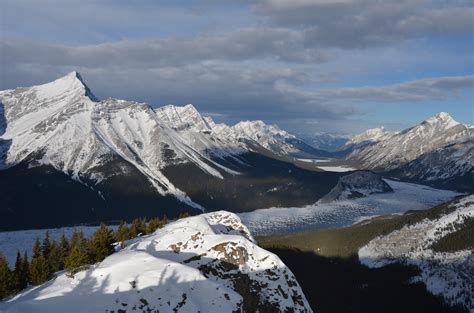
[406,196]
[404,260]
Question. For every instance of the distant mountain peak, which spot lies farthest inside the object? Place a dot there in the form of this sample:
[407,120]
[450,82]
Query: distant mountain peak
[442,119]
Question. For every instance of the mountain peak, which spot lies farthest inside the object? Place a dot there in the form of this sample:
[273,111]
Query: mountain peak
[442,119]
[72,82]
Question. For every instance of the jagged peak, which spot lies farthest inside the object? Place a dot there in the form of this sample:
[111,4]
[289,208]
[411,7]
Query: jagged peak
[441,119]
[71,82]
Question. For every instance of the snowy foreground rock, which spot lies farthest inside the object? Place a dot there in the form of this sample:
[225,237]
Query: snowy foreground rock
[206,263]
[450,275]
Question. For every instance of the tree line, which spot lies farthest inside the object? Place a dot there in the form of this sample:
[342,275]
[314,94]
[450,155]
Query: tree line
[77,253]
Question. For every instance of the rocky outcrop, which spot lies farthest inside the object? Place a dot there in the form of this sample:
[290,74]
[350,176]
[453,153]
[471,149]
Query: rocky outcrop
[356,185]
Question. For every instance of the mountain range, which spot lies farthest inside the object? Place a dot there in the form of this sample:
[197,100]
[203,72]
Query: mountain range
[119,159]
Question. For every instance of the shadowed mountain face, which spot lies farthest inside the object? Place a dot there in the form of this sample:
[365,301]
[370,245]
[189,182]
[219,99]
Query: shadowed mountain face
[4,144]
[344,285]
[68,158]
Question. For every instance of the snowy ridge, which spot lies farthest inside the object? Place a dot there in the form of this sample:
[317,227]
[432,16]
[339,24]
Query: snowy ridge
[395,150]
[446,274]
[369,136]
[63,125]
[206,263]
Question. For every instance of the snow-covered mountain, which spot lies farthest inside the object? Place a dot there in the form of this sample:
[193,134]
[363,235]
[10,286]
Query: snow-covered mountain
[207,263]
[369,136]
[214,138]
[63,125]
[446,166]
[326,141]
[276,140]
[123,154]
[440,246]
[423,145]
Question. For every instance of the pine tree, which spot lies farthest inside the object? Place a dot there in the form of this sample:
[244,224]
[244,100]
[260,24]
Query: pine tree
[6,279]
[164,221]
[152,225]
[101,244]
[63,249]
[20,275]
[38,270]
[75,259]
[26,265]
[183,215]
[37,248]
[122,233]
[46,246]
[136,228]
[78,240]
[54,258]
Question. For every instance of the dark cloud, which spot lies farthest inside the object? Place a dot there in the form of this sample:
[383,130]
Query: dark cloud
[283,63]
[359,24]
[438,88]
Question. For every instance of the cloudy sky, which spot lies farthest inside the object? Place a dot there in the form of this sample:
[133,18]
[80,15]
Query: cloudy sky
[306,65]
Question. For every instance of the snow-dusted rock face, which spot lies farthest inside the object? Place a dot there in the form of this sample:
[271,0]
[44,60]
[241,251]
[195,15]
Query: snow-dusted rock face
[276,140]
[448,274]
[207,263]
[326,141]
[356,185]
[201,132]
[372,135]
[63,125]
[453,160]
[395,150]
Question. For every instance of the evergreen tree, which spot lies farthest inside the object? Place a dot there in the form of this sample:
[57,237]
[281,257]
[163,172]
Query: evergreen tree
[46,246]
[20,275]
[54,259]
[78,240]
[75,259]
[101,244]
[38,270]
[63,249]
[6,280]
[183,215]
[26,265]
[77,255]
[137,228]
[152,225]
[164,221]
[37,248]
[122,233]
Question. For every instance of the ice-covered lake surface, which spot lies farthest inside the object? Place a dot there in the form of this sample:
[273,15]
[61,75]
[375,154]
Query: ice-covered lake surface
[406,196]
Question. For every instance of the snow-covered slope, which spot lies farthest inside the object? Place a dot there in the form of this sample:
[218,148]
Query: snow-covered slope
[200,132]
[453,160]
[221,140]
[395,150]
[275,139]
[448,274]
[372,135]
[207,263]
[63,125]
